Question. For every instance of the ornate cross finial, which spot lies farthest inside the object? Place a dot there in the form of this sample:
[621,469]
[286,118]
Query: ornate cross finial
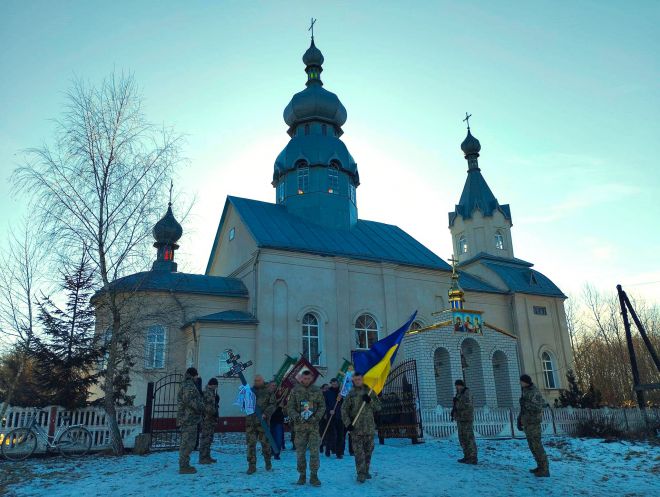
[171,186]
[453,261]
[311,27]
[467,120]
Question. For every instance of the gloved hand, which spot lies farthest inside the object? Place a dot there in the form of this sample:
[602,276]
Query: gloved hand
[350,427]
[366,397]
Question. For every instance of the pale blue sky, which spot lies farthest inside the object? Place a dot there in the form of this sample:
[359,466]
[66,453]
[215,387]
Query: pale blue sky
[564,97]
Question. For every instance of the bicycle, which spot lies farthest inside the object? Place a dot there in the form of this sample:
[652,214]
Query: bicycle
[20,443]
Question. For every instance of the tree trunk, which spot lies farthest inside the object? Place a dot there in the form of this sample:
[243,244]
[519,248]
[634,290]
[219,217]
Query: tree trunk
[116,442]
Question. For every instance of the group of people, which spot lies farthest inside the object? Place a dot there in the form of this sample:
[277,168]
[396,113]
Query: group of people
[319,420]
[529,421]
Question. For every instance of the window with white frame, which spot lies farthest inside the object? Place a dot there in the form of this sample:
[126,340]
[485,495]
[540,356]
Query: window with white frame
[303,178]
[499,240]
[540,310]
[333,179]
[223,365]
[280,191]
[366,331]
[155,350]
[311,338]
[549,370]
[462,245]
[351,192]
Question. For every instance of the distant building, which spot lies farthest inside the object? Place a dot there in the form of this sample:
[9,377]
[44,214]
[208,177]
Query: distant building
[306,275]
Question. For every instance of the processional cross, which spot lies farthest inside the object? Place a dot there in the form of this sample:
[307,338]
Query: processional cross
[467,120]
[311,27]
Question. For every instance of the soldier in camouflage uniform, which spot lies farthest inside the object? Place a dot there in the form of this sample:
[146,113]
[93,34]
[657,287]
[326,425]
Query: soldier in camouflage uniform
[363,432]
[529,421]
[209,421]
[305,408]
[254,431]
[463,413]
[188,417]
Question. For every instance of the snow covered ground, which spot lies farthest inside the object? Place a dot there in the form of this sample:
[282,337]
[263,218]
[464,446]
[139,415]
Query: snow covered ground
[578,467]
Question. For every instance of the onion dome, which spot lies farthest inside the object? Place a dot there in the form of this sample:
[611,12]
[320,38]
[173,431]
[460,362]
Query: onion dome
[167,231]
[313,56]
[470,145]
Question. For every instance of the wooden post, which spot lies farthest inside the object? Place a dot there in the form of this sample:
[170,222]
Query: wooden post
[361,408]
[148,408]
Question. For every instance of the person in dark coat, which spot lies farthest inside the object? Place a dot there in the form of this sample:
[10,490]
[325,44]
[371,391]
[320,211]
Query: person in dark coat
[335,437]
[277,422]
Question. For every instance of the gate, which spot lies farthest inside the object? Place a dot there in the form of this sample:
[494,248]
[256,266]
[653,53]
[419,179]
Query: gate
[161,410]
[400,415]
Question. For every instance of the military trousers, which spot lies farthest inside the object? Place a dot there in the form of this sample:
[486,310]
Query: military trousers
[363,447]
[466,439]
[254,434]
[533,434]
[307,438]
[206,439]
[188,442]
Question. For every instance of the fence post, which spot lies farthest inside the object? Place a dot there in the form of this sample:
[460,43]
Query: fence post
[513,433]
[148,408]
[52,421]
[554,426]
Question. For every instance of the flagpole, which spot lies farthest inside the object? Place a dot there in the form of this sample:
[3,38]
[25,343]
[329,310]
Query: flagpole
[334,410]
[364,403]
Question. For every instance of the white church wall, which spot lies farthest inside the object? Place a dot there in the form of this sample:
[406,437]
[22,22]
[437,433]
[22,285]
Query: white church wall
[480,234]
[231,254]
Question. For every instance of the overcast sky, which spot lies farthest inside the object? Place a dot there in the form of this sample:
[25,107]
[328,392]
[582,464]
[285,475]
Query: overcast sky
[564,97]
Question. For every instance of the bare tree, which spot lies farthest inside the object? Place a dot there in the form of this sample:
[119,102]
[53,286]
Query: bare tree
[19,277]
[99,184]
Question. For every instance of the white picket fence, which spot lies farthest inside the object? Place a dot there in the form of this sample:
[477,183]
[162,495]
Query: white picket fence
[54,419]
[501,423]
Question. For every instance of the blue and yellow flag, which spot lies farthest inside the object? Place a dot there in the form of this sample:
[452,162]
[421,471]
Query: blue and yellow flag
[375,364]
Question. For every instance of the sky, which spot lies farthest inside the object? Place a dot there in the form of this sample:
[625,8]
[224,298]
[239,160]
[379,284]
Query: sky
[564,98]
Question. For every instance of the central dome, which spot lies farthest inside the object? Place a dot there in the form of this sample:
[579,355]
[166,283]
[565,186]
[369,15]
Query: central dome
[315,102]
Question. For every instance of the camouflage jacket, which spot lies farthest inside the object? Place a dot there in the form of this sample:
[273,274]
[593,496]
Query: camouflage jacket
[266,402]
[302,399]
[365,424]
[210,410]
[531,406]
[463,410]
[190,404]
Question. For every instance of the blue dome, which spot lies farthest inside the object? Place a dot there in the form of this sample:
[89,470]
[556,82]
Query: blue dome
[313,56]
[167,230]
[315,102]
[470,145]
[315,150]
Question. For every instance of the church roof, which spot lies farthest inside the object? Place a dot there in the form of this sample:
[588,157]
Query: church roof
[180,282]
[477,195]
[229,317]
[474,284]
[273,227]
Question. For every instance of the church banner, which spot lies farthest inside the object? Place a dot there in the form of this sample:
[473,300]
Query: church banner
[290,379]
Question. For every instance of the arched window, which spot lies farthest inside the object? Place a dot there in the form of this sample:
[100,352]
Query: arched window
[366,331]
[155,350]
[303,177]
[416,325]
[310,338]
[223,365]
[351,192]
[499,240]
[333,178]
[281,187]
[549,370]
[462,245]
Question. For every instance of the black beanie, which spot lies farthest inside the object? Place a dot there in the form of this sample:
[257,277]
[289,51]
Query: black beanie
[526,379]
[213,381]
[459,382]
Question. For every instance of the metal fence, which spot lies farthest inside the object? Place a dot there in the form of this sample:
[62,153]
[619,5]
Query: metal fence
[55,419]
[501,423]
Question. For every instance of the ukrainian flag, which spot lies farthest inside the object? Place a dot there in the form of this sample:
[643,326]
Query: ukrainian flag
[375,363]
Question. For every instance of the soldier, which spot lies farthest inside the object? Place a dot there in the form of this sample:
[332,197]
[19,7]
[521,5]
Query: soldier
[188,417]
[306,408]
[254,431]
[463,413]
[529,421]
[210,417]
[362,433]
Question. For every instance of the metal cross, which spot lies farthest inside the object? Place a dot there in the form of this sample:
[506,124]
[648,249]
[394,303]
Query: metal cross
[171,186]
[467,119]
[453,263]
[311,27]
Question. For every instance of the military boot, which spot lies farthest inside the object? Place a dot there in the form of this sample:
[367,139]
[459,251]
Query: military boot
[187,470]
[543,471]
[252,468]
[302,479]
[314,479]
[361,478]
[462,460]
[534,470]
[269,465]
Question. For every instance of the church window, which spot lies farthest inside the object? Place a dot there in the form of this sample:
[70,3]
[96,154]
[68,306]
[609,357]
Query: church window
[351,192]
[366,331]
[540,310]
[549,370]
[306,129]
[303,178]
[499,241]
[462,245]
[333,179]
[223,366]
[280,191]
[232,234]
[416,325]
[324,130]
[310,338]
[155,350]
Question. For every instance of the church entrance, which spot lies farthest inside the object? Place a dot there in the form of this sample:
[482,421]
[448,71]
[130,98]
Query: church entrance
[443,379]
[502,379]
[473,370]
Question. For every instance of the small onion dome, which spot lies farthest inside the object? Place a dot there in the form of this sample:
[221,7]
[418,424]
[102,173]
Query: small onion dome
[167,230]
[313,56]
[470,145]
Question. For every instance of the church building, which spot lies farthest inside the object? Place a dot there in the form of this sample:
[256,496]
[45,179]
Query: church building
[305,275]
